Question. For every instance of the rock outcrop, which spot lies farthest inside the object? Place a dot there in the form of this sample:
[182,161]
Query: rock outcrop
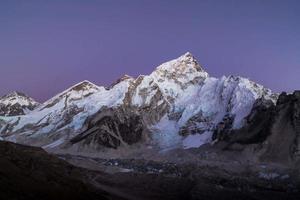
[111,127]
[273,129]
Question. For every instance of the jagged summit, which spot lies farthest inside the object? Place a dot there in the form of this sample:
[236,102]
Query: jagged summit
[83,85]
[16,103]
[78,91]
[187,57]
[178,74]
[17,97]
[14,94]
[122,78]
[183,67]
[184,62]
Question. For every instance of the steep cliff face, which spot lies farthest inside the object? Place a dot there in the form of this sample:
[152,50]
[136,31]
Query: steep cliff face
[111,127]
[272,128]
[283,144]
[256,128]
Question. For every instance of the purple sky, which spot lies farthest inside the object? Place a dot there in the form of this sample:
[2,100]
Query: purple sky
[47,46]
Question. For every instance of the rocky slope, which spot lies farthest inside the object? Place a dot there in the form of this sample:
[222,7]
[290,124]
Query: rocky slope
[111,128]
[270,134]
[176,103]
[31,173]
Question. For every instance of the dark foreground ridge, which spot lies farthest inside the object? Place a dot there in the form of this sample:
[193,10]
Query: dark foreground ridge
[31,173]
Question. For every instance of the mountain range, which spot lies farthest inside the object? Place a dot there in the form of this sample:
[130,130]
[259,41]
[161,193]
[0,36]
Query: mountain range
[177,103]
[227,135]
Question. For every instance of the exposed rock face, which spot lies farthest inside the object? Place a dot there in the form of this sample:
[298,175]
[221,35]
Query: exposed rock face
[224,109]
[192,126]
[283,144]
[16,103]
[223,129]
[256,128]
[275,129]
[111,128]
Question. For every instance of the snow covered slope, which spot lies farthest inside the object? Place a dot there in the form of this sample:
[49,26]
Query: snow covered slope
[64,114]
[16,103]
[176,103]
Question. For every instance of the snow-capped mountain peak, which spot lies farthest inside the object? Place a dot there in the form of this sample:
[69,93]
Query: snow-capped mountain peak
[183,65]
[83,86]
[176,100]
[125,77]
[16,103]
[78,91]
[172,79]
[17,97]
[180,72]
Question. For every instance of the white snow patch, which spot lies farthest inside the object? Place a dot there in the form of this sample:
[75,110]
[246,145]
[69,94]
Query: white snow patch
[124,170]
[268,175]
[197,140]
[286,176]
[54,144]
[165,133]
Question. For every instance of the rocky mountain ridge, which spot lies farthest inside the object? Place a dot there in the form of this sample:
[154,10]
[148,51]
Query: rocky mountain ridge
[177,102]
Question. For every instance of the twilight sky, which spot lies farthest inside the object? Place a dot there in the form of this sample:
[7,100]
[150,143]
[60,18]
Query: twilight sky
[47,46]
